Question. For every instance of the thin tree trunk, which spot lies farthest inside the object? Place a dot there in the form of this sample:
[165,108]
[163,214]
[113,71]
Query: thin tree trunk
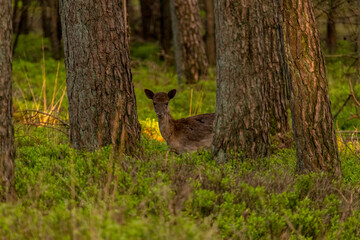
[312,120]
[7,150]
[24,17]
[190,57]
[165,23]
[22,26]
[45,19]
[54,33]
[156,19]
[146,18]
[102,105]
[130,14]
[210,32]
[331,28]
[15,13]
[244,33]
[358,36]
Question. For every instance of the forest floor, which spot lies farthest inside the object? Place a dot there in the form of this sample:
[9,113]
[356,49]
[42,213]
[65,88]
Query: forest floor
[63,194]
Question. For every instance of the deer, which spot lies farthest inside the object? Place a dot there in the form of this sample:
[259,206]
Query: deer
[181,135]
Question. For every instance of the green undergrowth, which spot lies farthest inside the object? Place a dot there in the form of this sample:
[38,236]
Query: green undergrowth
[64,194]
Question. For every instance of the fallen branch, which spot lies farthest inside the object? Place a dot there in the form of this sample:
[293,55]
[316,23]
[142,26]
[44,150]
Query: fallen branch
[46,114]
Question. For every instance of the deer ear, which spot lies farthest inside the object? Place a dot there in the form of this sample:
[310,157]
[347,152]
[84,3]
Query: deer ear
[149,93]
[172,93]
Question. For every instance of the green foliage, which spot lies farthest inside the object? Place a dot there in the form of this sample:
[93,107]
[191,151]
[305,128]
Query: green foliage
[339,71]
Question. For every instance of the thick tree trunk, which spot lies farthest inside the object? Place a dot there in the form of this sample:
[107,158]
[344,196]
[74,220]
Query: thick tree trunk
[165,23]
[312,120]
[244,32]
[331,28]
[276,72]
[190,57]
[102,105]
[210,32]
[7,151]
[54,32]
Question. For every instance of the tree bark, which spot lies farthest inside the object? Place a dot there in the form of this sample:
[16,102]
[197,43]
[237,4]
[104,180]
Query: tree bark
[210,32]
[276,71]
[55,37]
[102,105]
[312,120]
[190,58]
[331,28]
[7,150]
[244,32]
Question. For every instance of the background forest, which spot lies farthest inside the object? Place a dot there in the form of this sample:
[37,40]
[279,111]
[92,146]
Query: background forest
[62,193]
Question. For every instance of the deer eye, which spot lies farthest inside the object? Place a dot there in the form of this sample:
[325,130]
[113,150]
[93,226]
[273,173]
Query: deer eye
[154,104]
[166,103]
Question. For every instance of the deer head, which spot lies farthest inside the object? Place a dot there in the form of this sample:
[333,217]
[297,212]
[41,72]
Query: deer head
[161,101]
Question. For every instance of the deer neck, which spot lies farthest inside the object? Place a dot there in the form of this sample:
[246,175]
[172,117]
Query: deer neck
[166,125]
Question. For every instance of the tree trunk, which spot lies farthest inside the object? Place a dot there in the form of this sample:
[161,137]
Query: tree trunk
[131,15]
[54,33]
[45,19]
[165,23]
[276,73]
[24,17]
[312,120]
[15,13]
[190,57]
[244,32]
[22,26]
[210,32]
[331,28]
[7,150]
[358,36]
[102,105]
[146,18]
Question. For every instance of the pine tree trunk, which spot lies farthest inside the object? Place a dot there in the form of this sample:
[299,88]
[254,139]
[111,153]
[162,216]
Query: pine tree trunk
[276,72]
[146,18]
[54,33]
[165,23]
[24,17]
[210,32]
[190,57]
[244,32]
[358,36]
[45,19]
[7,150]
[102,105]
[331,28]
[312,120]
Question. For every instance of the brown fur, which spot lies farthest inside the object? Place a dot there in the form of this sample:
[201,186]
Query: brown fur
[182,135]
